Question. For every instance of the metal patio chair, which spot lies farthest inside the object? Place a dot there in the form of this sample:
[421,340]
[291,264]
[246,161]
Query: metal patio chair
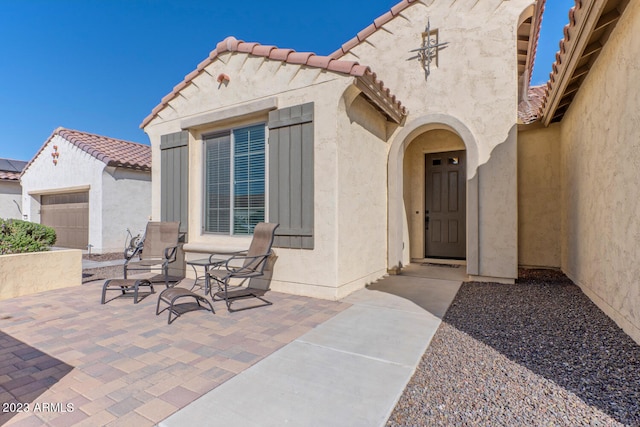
[252,266]
[159,249]
[253,263]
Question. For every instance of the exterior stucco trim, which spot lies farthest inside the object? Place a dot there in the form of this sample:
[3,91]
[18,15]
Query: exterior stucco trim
[58,190]
[239,111]
[395,185]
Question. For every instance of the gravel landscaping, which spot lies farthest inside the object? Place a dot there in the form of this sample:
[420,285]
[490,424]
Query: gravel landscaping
[102,273]
[535,353]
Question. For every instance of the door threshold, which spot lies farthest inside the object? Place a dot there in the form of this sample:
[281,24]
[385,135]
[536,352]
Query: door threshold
[440,261]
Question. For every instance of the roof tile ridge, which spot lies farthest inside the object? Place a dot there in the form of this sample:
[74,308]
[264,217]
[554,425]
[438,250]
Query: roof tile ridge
[280,54]
[372,28]
[560,54]
[62,129]
[287,55]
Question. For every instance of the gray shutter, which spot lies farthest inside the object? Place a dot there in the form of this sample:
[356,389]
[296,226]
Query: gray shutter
[174,186]
[291,175]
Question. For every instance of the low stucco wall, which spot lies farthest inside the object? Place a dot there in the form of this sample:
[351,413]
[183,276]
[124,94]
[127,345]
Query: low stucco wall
[24,274]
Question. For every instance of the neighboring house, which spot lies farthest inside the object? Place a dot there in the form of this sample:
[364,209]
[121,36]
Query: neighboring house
[90,188]
[10,190]
[379,155]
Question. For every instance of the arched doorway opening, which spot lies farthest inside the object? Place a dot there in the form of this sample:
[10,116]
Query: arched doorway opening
[434,194]
[408,181]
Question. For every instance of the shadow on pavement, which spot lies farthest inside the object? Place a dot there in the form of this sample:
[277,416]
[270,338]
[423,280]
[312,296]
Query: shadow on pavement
[25,373]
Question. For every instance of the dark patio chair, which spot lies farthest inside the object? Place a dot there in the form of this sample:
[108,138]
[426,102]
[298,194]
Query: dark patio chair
[159,249]
[252,267]
[253,263]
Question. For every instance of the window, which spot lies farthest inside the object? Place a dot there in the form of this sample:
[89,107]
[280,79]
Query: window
[234,180]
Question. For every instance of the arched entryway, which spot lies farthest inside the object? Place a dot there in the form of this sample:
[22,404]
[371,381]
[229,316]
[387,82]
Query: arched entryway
[409,199]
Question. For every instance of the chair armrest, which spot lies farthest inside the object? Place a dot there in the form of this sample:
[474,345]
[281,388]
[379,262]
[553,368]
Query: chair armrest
[170,253]
[233,254]
[246,271]
[135,252]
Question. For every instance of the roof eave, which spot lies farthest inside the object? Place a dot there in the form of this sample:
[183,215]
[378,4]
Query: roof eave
[574,43]
[303,59]
[381,98]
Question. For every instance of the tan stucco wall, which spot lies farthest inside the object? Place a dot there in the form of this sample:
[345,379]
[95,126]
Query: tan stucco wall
[474,83]
[600,184]
[307,272]
[414,180]
[362,195]
[539,196]
[25,274]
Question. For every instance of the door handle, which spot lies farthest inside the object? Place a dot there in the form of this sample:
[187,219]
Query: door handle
[426,220]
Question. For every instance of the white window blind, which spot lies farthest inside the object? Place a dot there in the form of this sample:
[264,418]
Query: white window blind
[235,157]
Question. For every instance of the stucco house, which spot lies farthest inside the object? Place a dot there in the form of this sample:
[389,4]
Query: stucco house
[419,139]
[89,188]
[10,190]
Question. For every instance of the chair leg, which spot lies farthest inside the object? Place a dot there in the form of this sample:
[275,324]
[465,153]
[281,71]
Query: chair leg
[135,291]
[198,298]
[104,291]
[172,300]
[158,304]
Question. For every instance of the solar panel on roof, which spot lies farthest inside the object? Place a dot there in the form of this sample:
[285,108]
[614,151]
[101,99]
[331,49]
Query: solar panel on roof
[12,165]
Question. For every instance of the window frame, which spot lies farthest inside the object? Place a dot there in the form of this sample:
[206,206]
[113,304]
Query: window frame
[230,131]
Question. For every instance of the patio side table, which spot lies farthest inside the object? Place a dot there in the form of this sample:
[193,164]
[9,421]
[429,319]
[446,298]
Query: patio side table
[207,264]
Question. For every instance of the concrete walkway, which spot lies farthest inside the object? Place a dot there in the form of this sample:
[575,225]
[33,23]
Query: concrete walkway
[87,263]
[348,371]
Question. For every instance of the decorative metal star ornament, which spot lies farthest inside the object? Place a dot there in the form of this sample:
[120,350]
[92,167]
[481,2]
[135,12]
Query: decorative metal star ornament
[429,49]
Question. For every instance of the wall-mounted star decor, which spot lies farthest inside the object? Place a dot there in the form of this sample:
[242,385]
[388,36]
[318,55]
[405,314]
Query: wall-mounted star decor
[428,52]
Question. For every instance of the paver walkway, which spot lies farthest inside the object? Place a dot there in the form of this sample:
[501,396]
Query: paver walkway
[76,362]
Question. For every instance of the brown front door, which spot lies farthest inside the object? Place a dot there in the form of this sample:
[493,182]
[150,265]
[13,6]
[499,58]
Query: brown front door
[445,205]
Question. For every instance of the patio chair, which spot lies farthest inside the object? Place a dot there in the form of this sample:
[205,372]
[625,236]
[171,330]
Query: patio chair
[253,264]
[159,249]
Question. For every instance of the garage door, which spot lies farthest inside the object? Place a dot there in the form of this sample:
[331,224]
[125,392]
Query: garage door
[68,214]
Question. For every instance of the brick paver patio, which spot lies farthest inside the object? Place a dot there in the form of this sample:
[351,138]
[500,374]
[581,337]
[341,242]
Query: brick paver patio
[77,362]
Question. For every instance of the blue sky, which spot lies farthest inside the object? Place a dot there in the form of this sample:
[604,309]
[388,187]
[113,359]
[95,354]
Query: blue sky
[101,66]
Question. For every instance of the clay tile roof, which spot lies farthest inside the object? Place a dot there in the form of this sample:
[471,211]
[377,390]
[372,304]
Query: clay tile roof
[573,63]
[529,110]
[536,35]
[375,26]
[10,169]
[309,59]
[110,151]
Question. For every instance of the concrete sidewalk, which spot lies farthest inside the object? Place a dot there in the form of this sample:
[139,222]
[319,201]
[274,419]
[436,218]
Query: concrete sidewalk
[348,371]
[87,263]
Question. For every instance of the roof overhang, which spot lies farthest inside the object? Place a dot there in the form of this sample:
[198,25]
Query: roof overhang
[380,97]
[365,79]
[590,25]
[527,42]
